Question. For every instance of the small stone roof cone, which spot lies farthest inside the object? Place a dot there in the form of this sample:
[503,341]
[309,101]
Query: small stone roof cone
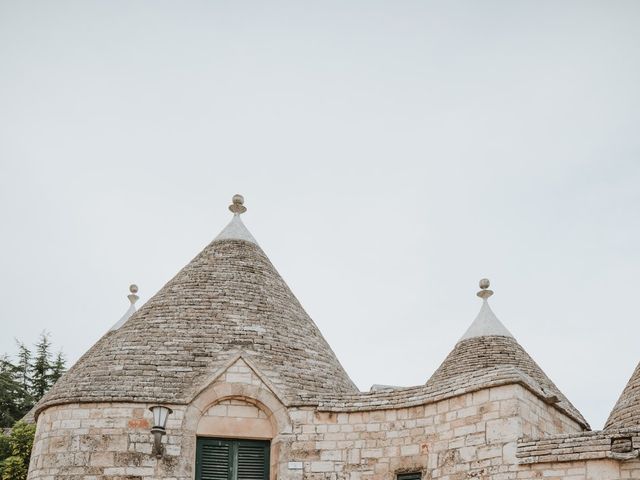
[489,350]
[133,298]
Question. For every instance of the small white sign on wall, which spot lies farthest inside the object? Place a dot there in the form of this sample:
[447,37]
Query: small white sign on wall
[295,465]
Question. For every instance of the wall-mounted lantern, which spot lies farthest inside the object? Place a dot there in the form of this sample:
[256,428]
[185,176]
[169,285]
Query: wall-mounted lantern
[160,415]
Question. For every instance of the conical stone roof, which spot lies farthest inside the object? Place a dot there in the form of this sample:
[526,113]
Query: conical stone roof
[489,350]
[626,413]
[228,301]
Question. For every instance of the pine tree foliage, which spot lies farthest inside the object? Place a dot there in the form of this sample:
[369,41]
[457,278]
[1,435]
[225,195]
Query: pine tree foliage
[12,395]
[24,382]
[23,367]
[41,370]
[58,367]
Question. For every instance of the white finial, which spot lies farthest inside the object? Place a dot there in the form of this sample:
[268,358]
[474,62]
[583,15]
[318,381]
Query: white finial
[236,229]
[237,207]
[484,293]
[133,298]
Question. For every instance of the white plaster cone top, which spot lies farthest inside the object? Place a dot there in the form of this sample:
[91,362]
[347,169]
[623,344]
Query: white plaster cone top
[133,298]
[486,324]
[236,230]
[130,311]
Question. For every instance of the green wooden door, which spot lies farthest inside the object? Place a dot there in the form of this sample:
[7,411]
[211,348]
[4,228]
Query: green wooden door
[222,459]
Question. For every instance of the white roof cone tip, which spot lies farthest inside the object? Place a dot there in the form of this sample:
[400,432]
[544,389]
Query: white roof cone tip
[133,298]
[486,324]
[236,230]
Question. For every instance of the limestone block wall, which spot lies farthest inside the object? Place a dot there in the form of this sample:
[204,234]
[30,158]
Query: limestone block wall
[92,441]
[540,418]
[468,436]
[599,455]
[472,435]
[103,441]
[582,470]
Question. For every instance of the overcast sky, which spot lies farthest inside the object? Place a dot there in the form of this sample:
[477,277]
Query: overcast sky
[391,154]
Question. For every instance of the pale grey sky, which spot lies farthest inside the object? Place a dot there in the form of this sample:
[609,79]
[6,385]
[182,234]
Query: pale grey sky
[390,153]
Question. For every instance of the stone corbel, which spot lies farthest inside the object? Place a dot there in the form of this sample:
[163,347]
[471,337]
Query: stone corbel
[622,448]
[632,455]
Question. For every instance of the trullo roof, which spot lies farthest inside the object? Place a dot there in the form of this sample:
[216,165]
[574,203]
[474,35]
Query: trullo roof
[488,350]
[228,301]
[626,413]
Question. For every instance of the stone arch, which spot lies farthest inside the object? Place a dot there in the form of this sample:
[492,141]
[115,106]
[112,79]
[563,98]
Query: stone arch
[237,417]
[260,397]
[204,418]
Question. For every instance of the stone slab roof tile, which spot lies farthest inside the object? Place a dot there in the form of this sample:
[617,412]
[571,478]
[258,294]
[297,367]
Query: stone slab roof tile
[229,300]
[486,352]
[616,444]
[626,412]
[467,382]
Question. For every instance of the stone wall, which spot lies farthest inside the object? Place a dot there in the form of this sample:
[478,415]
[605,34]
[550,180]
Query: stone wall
[582,470]
[473,435]
[99,441]
[540,418]
[601,455]
[468,436]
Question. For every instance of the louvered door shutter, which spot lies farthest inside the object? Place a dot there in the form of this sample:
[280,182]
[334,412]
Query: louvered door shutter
[219,459]
[253,460]
[214,459]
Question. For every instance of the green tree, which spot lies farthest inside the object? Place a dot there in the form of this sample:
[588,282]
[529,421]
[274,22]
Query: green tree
[41,368]
[24,382]
[12,394]
[58,368]
[5,449]
[16,466]
[13,468]
[23,368]
[21,384]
